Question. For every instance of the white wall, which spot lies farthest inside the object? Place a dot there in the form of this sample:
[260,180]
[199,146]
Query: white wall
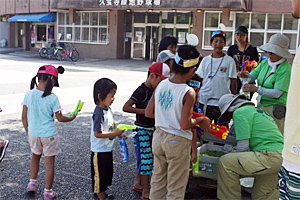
[4,31]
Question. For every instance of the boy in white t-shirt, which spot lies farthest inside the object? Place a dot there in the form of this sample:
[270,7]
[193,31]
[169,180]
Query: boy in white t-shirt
[171,105]
[218,74]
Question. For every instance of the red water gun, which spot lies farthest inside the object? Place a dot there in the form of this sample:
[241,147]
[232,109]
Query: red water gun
[249,65]
[216,130]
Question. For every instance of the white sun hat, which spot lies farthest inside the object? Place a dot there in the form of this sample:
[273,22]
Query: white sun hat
[279,45]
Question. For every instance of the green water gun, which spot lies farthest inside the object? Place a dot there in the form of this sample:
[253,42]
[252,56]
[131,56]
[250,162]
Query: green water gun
[196,165]
[126,127]
[78,108]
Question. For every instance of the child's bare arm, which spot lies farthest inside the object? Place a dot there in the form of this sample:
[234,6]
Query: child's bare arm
[24,118]
[149,112]
[201,81]
[186,121]
[233,87]
[104,134]
[128,107]
[61,118]
[194,146]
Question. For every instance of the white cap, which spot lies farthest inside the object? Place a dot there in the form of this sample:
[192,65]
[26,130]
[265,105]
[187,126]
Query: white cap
[165,55]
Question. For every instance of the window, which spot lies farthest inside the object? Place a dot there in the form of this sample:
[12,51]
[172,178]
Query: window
[212,19]
[167,32]
[181,35]
[183,18]
[167,17]
[290,23]
[176,24]
[153,17]
[139,17]
[258,21]
[89,27]
[260,26]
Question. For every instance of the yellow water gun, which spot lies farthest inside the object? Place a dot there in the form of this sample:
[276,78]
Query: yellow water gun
[126,127]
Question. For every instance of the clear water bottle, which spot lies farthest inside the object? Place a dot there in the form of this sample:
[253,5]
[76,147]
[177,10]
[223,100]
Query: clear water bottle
[244,81]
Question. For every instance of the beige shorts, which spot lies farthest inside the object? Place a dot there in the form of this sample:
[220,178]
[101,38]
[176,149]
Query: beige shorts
[47,145]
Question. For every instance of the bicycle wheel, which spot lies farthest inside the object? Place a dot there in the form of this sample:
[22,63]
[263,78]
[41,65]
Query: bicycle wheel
[74,55]
[58,55]
[43,52]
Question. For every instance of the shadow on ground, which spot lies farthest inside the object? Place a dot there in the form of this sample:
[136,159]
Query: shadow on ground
[72,167]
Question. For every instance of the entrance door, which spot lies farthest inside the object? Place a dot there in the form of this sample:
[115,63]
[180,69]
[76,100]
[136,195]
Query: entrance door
[138,46]
[20,33]
[41,34]
[151,43]
[145,42]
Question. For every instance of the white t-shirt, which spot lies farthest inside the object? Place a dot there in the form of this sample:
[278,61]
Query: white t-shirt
[168,107]
[216,74]
[102,120]
[291,148]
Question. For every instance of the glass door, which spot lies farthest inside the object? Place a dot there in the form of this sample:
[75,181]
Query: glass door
[138,43]
[41,34]
[151,43]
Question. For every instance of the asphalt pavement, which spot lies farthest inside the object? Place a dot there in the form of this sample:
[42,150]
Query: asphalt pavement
[72,167]
[130,64]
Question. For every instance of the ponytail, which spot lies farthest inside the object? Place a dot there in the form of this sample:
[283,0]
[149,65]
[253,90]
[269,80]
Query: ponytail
[43,77]
[33,83]
[49,86]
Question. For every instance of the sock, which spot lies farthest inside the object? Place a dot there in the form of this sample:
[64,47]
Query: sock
[48,190]
[33,180]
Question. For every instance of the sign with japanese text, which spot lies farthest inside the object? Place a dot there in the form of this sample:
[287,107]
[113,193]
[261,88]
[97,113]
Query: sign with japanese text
[129,2]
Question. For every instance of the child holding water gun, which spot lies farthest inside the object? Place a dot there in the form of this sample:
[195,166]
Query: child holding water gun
[145,126]
[103,133]
[171,105]
[39,107]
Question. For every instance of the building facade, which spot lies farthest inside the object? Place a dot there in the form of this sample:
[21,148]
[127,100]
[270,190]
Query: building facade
[133,28]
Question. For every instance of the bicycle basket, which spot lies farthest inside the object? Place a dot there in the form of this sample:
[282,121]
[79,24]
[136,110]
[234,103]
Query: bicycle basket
[61,44]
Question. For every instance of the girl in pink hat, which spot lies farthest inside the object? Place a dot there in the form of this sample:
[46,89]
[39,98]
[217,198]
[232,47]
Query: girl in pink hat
[40,106]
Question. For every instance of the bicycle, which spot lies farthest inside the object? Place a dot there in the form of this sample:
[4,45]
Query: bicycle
[69,51]
[48,52]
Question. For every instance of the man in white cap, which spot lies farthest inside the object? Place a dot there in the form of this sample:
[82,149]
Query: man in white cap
[273,78]
[259,146]
[289,174]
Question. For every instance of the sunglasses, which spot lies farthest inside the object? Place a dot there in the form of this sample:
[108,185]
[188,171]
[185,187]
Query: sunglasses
[218,33]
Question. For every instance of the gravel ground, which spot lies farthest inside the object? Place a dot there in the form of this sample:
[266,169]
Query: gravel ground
[72,166]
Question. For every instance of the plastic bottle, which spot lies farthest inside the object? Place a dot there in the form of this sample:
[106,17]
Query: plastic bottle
[124,150]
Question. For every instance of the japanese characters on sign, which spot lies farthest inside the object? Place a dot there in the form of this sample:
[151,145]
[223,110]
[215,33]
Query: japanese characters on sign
[129,2]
